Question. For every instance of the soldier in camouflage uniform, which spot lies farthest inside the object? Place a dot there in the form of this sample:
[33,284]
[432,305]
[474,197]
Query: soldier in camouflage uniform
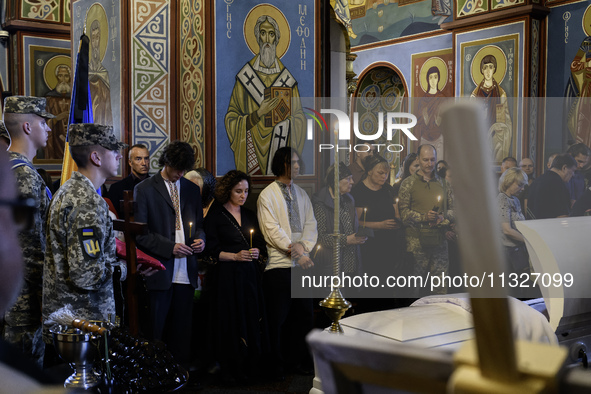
[80,238]
[25,119]
[418,198]
[4,137]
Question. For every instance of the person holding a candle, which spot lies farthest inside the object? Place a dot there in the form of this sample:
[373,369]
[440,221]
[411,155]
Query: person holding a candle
[168,202]
[374,202]
[426,217]
[323,203]
[236,246]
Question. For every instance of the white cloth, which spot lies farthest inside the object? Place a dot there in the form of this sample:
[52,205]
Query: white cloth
[528,324]
[274,222]
[179,274]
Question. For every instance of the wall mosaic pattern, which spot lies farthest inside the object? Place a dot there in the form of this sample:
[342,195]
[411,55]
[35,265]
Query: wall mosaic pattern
[43,10]
[498,4]
[192,80]
[470,7]
[150,73]
[67,13]
[534,91]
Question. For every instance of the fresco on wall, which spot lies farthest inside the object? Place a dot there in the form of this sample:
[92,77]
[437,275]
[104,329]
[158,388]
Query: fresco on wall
[578,88]
[489,73]
[381,90]
[432,81]
[47,73]
[565,36]
[265,60]
[380,20]
[102,21]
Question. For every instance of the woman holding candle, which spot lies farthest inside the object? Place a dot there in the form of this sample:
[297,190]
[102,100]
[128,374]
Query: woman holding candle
[323,203]
[374,202]
[235,245]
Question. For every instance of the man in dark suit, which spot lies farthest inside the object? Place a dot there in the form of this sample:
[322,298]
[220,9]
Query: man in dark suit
[171,206]
[139,161]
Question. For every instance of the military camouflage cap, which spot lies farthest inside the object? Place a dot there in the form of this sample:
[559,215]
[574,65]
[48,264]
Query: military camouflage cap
[4,132]
[26,105]
[83,134]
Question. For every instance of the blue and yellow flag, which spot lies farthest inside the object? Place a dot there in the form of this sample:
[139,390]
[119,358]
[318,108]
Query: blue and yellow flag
[81,104]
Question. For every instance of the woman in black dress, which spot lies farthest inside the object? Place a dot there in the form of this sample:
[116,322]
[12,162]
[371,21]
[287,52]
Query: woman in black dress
[235,245]
[374,202]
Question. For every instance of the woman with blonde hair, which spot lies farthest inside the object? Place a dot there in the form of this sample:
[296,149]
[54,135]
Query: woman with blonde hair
[511,184]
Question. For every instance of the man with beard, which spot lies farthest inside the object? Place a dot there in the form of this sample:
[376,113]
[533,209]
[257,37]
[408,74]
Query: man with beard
[98,78]
[251,139]
[58,103]
[425,206]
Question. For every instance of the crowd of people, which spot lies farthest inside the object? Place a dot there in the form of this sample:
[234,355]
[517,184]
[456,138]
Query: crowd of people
[242,263]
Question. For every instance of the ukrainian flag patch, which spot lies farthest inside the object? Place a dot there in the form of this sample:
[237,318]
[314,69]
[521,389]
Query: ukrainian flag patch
[89,242]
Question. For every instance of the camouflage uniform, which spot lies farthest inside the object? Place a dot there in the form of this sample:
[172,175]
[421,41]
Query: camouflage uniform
[4,133]
[417,197]
[80,252]
[23,319]
[80,240]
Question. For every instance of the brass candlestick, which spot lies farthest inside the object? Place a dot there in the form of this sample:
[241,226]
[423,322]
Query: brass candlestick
[335,305]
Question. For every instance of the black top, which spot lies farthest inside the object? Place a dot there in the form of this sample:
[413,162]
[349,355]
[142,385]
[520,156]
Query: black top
[583,204]
[225,235]
[548,197]
[379,203]
[115,193]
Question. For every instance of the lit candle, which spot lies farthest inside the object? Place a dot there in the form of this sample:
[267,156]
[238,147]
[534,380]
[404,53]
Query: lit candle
[436,206]
[190,229]
[397,199]
[315,253]
[251,231]
[364,214]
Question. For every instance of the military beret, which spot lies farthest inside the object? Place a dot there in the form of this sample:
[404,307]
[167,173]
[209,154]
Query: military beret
[4,132]
[26,105]
[84,134]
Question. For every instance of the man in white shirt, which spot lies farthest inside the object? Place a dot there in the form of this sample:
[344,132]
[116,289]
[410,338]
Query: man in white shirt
[287,221]
[171,206]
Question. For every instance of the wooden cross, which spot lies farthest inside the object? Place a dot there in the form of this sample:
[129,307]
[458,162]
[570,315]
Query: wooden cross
[130,230]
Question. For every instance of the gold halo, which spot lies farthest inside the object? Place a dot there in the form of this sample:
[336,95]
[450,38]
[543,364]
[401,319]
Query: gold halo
[251,20]
[499,75]
[97,12]
[440,64]
[50,67]
[586,20]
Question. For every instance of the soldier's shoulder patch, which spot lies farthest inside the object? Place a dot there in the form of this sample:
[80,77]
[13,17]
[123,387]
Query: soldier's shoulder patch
[89,241]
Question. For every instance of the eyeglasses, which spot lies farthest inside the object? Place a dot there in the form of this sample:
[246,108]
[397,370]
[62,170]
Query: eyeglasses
[23,211]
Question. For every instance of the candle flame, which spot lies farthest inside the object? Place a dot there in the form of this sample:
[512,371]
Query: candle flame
[251,231]
[438,198]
